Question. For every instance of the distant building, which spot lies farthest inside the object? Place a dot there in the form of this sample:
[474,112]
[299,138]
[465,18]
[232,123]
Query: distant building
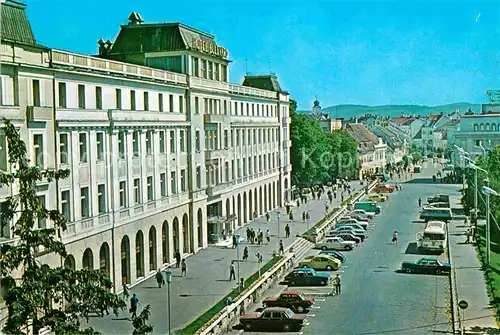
[475,131]
[327,124]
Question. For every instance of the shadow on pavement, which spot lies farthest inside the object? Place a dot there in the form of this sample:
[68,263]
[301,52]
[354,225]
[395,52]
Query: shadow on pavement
[412,249]
[482,330]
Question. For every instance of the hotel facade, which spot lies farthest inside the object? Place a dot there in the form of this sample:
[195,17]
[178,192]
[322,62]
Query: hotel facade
[165,154]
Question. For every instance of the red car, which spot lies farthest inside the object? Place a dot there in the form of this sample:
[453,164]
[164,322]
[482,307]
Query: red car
[381,188]
[350,237]
[294,300]
[359,218]
[273,319]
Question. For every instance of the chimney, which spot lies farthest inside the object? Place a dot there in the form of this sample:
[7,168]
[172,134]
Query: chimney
[101,47]
[134,19]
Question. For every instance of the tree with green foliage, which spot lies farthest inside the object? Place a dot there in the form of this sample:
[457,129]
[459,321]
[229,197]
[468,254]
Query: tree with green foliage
[318,156]
[417,156]
[140,322]
[36,295]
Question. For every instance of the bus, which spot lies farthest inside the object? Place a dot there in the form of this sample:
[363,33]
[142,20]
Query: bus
[433,238]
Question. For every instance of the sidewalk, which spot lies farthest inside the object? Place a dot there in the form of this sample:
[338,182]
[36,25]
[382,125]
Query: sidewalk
[470,283]
[208,272]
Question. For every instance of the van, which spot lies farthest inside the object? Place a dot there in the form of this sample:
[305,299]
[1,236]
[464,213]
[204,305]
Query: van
[368,206]
[436,214]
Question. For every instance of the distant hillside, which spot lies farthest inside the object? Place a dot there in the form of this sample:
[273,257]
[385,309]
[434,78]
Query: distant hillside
[348,111]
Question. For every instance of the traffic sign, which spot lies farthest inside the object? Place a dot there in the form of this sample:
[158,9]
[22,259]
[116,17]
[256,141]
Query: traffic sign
[463,304]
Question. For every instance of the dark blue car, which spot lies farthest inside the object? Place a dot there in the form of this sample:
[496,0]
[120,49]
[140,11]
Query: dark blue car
[334,254]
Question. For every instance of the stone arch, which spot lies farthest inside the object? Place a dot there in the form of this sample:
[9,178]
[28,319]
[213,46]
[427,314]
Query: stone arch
[88,259]
[153,263]
[250,206]
[487,127]
[69,262]
[185,234]
[139,254]
[245,208]
[240,219]
[125,259]
[176,235]
[104,259]
[165,239]
[476,127]
[493,127]
[200,227]
[260,201]
[481,127]
[266,209]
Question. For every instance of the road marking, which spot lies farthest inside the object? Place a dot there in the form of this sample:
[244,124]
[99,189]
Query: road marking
[311,315]
[315,307]
[320,299]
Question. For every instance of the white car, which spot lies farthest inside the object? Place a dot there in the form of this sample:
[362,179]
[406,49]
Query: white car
[335,243]
[363,213]
[348,230]
[352,222]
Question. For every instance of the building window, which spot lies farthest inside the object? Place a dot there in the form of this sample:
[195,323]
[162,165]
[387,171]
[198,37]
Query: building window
[245,168]
[66,205]
[481,127]
[163,184]
[62,95]
[42,221]
[172,141]
[210,74]
[197,105]
[118,98]
[205,105]
[487,127]
[225,107]
[81,96]
[203,68]
[137,191]
[494,127]
[235,108]
[171,103]
[237,137]
[223,72]
[84,202]
[197,141]
[183,141]
[100,146]
[226,139]
[38,150]
[198,177]
[132,100]
[36,93]
[101,198]
[162,142]
[233,169]
[98,97]
[244,136]
[173,183]
[194,67]
[183,181]
[160,102]
[146,101]
[181,104]
[150,188]
[135,143]
[149,143]
[123,194]
[83,147]
[121,144]
[216,71]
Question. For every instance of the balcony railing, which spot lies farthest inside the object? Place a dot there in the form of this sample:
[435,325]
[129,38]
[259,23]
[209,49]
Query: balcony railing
[87,62]
[250,91]
[85,225]
[219,188]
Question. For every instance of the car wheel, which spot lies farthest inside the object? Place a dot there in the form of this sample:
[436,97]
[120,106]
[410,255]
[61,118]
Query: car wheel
[329,268]
[408,270]
[439,272]
[348,248]
[248,326]
[323,248]
[287,327]
[300,309]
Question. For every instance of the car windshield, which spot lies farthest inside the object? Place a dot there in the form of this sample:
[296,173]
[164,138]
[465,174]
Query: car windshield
[289,313]
[301,295]
[340,239]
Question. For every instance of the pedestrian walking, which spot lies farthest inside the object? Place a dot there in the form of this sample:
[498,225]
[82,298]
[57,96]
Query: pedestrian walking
[335,195]
[134,301]
[287,231]
[268,236]
[126,293]
[232,274]
[298,203]
[336,284]
[395,237]
[268,217]
[177,259]
[245,254]
[304,216]
[261,238]
[159,279]
[467,233]
[234,241]
[183,268]
[419,202]
[290,216]
[281,249]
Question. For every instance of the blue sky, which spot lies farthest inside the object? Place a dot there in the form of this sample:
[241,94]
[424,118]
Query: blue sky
[372,53]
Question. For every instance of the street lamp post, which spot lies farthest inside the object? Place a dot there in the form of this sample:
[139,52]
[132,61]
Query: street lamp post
[480,146]
[278,215]
[238,260]
[476,168]
[487,192]
[168,274]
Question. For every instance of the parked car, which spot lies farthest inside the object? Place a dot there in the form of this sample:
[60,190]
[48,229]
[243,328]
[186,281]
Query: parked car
[439,198]
[357,224]
[307,277]
[358,217]
[349,230]
[368,206]
[376,197]
[334,253]
[362,213]
[428,265]
[349,237]
[273,319]
[294,300]
[321,262]
[439,205]
[335,243]
[383,188]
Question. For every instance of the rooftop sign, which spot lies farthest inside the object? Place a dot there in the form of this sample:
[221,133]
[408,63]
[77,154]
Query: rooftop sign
[208,48]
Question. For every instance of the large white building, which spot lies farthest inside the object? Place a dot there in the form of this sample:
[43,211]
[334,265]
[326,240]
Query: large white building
[165,154]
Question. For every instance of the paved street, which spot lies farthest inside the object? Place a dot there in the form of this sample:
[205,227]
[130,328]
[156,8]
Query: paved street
[375,298]
[208,272]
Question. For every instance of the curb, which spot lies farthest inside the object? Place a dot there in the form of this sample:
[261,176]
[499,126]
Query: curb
[456,322]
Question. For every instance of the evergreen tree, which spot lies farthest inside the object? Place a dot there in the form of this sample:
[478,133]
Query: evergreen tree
[36,295]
